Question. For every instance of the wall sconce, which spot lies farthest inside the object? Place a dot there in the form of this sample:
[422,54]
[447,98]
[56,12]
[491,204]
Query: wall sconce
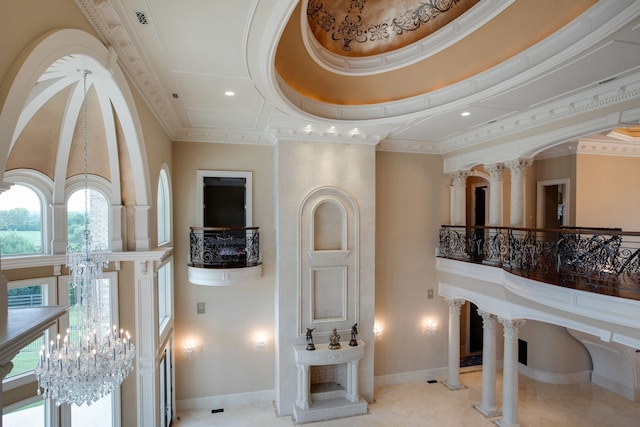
[190,348]
[430,327]
[377,332]
[261,342]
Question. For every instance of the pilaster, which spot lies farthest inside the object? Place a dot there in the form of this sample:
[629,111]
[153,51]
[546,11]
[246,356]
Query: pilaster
[518,169]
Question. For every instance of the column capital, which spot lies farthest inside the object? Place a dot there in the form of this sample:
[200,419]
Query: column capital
[518,166]
[460,177]
[495,171]
[454,305]
[511,327]
[488,320]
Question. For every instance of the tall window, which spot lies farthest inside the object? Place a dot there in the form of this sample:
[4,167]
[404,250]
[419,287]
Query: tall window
[98,210]
[165,296]
[164,209]
[21,221]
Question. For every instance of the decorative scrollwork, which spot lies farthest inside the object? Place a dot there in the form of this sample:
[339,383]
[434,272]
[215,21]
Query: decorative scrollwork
[224,247]
[581,258]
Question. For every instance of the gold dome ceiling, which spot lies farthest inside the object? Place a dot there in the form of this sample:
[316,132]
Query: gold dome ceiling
[518,27]
[362,28]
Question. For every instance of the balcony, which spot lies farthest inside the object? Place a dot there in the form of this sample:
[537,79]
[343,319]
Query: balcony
[221,256]
[599,260]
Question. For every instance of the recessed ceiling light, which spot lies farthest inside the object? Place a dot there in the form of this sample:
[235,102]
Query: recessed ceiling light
[465,114]
[230,93]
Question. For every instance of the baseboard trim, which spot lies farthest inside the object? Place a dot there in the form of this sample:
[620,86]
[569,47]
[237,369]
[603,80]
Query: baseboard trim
[555,378]
[409,377]
[220,401]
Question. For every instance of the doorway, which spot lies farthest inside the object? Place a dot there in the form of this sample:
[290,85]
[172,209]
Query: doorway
[553,203]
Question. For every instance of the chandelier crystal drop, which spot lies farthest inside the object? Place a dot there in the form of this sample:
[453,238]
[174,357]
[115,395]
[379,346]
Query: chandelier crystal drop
[94,357]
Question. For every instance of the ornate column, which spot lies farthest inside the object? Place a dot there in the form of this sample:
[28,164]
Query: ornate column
[453,377]
[458,195]
[510,373]
[488,405]
[495,172]
[518,168]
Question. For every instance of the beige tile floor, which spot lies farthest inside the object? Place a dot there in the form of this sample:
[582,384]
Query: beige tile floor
[421,404]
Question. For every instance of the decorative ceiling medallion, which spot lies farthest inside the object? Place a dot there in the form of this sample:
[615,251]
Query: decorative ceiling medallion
[359,28]
[382,40]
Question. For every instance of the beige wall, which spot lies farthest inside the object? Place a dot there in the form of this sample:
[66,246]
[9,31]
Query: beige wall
[227,360]
[560,168]
[607,192]
[551,350]
[411,204]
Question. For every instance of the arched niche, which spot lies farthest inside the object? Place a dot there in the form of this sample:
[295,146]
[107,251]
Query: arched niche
[329,224]
[328,233]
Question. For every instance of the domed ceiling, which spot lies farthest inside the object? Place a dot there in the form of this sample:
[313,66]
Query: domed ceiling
[361,28]
[357,29]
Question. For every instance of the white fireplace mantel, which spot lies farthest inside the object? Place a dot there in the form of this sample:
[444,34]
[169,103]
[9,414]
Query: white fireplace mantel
[349,403]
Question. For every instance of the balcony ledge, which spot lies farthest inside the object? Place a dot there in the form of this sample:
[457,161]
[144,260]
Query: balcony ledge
[223,276]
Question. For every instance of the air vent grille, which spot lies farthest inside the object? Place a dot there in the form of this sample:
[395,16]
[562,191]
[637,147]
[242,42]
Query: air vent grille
[142,18]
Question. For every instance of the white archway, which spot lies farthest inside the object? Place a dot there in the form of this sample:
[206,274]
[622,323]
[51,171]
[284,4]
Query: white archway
[19,102]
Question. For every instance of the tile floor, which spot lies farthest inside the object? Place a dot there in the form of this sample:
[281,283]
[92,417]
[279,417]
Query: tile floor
[421,404]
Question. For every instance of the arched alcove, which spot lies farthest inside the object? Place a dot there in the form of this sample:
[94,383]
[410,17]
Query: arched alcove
[329,226]
[329,280]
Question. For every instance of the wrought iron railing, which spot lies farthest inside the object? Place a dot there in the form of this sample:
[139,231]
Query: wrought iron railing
[602,260]
[224,247]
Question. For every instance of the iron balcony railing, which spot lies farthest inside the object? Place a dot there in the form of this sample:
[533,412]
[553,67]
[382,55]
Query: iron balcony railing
[224,247]
[601,260]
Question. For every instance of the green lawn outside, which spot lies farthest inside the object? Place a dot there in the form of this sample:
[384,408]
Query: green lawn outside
[32,236]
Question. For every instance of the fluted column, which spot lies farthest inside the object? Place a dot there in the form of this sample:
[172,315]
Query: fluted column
[496,190]
[518,168]
[458,194]
[453,377]
[510,373]
[488,405]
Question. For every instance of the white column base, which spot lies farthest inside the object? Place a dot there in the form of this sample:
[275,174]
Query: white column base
[488,412]
[502,423]
[453,387]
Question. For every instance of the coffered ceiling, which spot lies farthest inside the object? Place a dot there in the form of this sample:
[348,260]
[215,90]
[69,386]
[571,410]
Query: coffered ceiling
[517,67]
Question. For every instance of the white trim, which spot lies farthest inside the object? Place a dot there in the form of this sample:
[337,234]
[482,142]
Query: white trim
[164,183]
[202,174]
[540,198]
[411,377]
[555,377]
[220,401]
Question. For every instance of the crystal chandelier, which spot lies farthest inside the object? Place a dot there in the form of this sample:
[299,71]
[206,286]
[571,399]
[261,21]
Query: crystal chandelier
[95,357]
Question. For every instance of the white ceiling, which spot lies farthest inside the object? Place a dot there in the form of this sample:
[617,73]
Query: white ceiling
[198,49]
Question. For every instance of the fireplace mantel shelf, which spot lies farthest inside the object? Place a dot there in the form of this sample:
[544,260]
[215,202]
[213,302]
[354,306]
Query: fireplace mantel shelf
[322,355]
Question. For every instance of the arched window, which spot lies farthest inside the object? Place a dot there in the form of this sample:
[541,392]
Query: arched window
[97,208]
[164,208]
[24,217]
